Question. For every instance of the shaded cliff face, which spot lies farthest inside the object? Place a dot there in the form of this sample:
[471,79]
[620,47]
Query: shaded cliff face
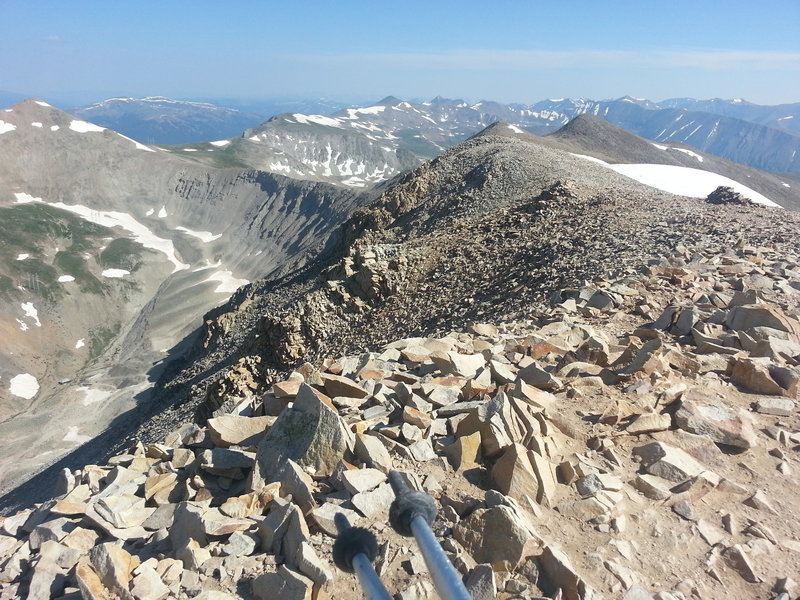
[486,232]
[110,253]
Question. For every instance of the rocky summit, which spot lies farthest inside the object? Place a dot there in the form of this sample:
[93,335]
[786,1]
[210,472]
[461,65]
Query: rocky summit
[596,382]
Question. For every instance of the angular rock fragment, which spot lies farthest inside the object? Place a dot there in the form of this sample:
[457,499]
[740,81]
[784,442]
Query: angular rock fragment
[310,433]
[718,422]
[501,535]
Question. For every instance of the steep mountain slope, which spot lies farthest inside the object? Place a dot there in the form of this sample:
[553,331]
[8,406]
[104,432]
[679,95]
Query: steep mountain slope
[487,231]
[158,120]
[111,251]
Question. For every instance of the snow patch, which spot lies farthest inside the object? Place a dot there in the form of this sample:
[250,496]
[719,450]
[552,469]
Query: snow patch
[40,103]
[25,198]
[22,325]
[65,278]
[149,212]
[205,236]
[683,181]
[190,149]
[54,128]
[784,118]
[318,119]
[73,436]
[220,143]
[36,124]
[30,311]
[785,184]
[24,256]
[690,153]
[140,233]
[138,145]
[24,386]
[227,282]
[84,127]
[92,395]
[80,343]
[162,213]
[659,146]
[6,127]
[114,273]
[515,129]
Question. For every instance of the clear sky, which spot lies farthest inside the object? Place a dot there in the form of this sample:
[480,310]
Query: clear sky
[510,51]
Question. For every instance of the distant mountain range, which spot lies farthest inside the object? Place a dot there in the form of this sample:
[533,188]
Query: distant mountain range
[159,120]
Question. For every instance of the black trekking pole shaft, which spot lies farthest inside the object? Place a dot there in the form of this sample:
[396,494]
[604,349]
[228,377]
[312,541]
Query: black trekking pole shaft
[412,513]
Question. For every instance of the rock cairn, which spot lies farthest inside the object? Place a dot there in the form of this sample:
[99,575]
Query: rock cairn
[637,440]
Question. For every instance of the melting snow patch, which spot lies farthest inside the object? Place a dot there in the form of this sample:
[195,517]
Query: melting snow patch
[318,119]
[162,213]
[683,181]
[40,103]
[25,198]
[30,311]
[80,343]
[690,153]
[190,149]
[140,233]
[65,278]
[149,212]
[92,395]
[84,127]
[783,184]
[6,127]
[659,146]
[73,436]
[515,129]
[220,143]
[24,386]
[24,256]
[36,124]
[138,145]
[54,128]
[205,236]
[115,273]
[23,325]
[227,282]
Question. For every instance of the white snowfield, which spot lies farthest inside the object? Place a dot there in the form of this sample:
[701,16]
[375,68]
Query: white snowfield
[220,143]
[318,119]
[204,236]
[40,103]
[36,124]
[24,386]
[22,256]
[138,145]
[65,278]
[23,198]
[683,181]
[80,343]
[54,128]
[30,311]
[227,282]
[6,127]
[515,129]
[110,218]
[84,127]
[114,273]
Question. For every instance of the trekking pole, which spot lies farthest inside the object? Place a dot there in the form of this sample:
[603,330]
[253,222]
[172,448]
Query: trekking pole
[413,513]
[354,551]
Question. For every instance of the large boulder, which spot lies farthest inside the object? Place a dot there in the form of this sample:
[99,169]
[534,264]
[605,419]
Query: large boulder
[310,433]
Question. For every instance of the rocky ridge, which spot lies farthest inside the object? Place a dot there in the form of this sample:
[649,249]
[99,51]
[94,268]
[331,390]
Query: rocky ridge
[636,439]
[533,218]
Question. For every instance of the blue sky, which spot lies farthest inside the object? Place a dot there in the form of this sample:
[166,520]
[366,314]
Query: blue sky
[511,51]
